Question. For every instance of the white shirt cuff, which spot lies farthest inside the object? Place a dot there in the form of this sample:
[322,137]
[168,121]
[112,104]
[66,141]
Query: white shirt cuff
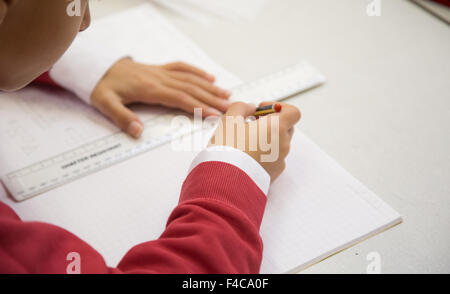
[239,159]
[83,65]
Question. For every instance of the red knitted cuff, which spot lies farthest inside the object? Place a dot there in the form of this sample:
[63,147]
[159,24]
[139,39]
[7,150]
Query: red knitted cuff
[228,184]
[45,79]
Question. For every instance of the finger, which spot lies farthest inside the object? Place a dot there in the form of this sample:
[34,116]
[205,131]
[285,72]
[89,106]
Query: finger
[206,85]
[291,132]
[112,107]
[278,170]
[183,67]
[267,103]
[289,115]
[200,94]
[241,109]
[181,100]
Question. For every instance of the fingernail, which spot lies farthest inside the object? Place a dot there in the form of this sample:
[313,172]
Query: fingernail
[135,129]
[214,112]
[226,93]
[250,119]
[210,77]
[227,102]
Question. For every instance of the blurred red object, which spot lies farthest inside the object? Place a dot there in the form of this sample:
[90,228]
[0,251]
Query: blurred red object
[443,2]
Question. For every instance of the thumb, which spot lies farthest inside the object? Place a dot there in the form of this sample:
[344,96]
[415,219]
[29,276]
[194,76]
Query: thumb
[112,107]
[241,109]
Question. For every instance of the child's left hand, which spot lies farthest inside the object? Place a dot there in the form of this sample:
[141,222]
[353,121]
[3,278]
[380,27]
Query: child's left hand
[175,85]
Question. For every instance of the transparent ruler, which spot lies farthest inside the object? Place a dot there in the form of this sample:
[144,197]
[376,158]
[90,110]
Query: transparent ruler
[86,159]
[280,85]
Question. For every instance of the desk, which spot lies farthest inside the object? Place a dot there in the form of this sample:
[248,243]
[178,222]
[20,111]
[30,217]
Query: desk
[384,113]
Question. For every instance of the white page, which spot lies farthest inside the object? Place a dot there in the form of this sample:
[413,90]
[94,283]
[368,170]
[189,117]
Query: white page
[35,125]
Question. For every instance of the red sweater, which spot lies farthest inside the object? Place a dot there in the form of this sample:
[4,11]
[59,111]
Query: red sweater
[443,2]
[214,229]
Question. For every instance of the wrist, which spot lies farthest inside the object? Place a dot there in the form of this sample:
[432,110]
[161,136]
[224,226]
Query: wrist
[237,158]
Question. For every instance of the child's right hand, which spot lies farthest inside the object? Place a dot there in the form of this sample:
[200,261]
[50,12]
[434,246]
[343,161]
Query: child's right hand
[275,130]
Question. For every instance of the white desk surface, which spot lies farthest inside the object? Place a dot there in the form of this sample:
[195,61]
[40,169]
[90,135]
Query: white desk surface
[384,113]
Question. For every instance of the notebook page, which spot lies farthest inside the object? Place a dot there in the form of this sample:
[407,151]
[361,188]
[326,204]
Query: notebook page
[316,209]
[35,125]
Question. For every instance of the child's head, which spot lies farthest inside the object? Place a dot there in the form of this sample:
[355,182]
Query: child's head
[33,36]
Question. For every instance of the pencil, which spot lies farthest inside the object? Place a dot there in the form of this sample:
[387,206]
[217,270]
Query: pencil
[269,109]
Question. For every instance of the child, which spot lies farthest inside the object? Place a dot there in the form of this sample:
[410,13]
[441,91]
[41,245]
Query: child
[215,227]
